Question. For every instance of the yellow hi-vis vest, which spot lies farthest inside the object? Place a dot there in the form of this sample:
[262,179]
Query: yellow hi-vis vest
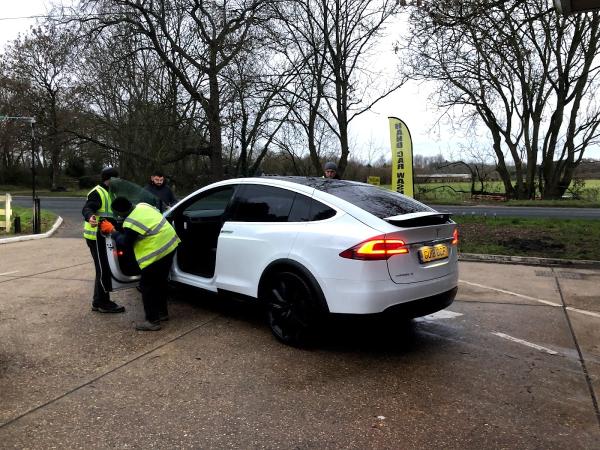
[157,237]
[89,232]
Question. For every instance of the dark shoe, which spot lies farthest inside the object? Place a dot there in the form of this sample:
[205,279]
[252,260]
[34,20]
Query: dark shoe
[164,318]
[108,307]
[147,326]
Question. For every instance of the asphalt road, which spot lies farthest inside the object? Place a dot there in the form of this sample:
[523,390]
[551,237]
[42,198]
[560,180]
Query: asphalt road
[69,208]
[514,362]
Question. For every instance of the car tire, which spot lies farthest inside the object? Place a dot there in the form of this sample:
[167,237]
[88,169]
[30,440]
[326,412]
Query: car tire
[292,308]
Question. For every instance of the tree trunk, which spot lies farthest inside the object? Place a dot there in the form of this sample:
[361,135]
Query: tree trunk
[214,129]
[312,146]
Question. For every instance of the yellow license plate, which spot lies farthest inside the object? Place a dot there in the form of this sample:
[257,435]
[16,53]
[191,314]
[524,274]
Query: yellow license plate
[433,253]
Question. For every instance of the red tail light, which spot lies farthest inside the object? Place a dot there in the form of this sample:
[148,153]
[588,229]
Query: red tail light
[376,249]
[455,237]
[118,252]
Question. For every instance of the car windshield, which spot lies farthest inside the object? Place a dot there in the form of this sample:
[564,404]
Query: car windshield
[134,193]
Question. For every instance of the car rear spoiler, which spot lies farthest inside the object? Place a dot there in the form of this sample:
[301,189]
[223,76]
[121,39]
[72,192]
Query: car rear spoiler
[419,219]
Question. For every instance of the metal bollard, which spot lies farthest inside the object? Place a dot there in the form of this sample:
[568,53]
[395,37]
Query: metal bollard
[37,229]
[17,224]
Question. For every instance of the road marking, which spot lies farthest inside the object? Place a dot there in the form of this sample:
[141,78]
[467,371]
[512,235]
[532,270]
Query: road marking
[545,302]
[583,311]
[539,300]
[528,344]
[8,273]
[443,314]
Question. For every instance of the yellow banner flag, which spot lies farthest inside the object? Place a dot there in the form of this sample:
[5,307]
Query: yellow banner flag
[402,159]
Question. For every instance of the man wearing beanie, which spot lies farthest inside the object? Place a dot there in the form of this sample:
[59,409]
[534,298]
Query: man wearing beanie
[330,170]
[98,206]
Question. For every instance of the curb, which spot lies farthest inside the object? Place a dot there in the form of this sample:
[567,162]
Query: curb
[29,237]
[528,260]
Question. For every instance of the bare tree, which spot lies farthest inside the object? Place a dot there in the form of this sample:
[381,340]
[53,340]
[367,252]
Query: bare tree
[305,50]
[138,116]
[42,60]
[329,40]
[15,146]
[257,110]
[526,73]
[195,39]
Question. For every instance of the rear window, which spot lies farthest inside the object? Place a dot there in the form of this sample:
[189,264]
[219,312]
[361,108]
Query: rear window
[379,202]
[256,203]
[308,210]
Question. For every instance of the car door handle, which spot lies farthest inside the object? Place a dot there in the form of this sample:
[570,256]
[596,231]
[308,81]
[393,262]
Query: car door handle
[226,231]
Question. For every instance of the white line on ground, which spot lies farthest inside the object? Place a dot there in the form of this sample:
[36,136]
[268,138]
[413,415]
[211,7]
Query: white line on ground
[528,344]
[8,273]
[545,302]
[583,311]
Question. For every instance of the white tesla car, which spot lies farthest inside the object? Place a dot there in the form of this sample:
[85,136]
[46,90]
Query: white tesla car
[308,247]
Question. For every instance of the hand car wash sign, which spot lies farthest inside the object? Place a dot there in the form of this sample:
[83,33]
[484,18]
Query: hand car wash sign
[402,160]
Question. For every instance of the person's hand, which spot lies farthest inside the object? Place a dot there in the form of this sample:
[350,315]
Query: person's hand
[93,221]
[106,227]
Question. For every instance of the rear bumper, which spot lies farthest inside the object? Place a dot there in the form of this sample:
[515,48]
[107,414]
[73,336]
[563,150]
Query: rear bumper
[423,306]
[373,297]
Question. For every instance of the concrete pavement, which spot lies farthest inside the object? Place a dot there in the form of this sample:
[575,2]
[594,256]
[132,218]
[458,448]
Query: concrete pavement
[513,363]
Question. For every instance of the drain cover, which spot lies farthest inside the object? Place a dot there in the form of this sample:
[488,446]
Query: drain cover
[566,275]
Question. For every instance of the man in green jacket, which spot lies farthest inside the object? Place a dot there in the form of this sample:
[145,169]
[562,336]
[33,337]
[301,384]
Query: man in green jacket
[154,242]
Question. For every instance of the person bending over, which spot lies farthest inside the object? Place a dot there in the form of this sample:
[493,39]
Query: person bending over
[154,242]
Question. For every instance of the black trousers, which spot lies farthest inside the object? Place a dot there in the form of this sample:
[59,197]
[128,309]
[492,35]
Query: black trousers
[154,284]
[100,297]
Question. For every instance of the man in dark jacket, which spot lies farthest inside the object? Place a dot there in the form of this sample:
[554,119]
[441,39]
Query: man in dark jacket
[160,190]
[98,206]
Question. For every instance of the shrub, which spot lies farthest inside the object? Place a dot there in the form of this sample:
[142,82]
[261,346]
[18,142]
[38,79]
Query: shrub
[591,194]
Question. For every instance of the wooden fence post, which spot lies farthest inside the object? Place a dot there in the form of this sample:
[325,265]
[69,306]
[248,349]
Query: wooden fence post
[6,212]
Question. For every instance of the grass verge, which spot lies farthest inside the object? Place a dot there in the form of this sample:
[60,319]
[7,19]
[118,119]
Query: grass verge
[26,214]
[543,238]
[41,192]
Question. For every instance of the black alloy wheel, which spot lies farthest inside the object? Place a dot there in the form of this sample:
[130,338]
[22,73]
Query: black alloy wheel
[291,308]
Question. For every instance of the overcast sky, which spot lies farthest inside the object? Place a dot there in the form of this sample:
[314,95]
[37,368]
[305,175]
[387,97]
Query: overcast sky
[369,131]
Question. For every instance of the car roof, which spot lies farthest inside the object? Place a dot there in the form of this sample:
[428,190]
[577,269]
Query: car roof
[287,182]
[266,180]
[317,187]
[324,189]
[320,183]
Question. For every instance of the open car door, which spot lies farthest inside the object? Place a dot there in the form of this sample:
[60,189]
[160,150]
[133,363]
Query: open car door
[118,266]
